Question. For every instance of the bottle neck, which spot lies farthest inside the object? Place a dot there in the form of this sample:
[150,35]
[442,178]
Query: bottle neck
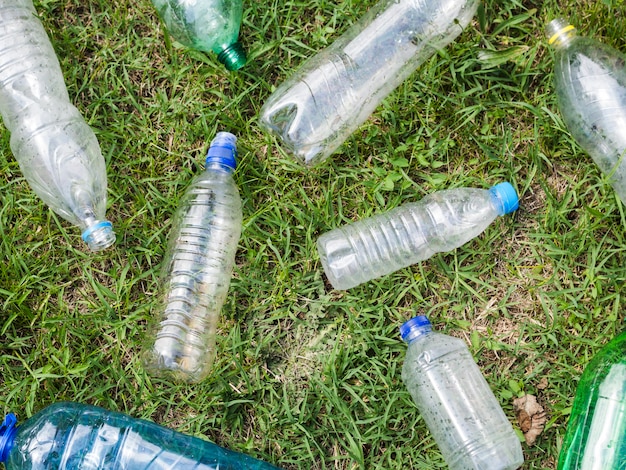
[233,56]
[417,327]
[218,166]
[560,33]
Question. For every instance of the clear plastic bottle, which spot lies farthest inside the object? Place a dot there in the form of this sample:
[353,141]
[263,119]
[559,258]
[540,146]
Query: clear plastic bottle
[57,151]
[596,433]
[315,110]
[460,410]
[197,269]
[590,84]
[206,25]
[73,436]
[379,245]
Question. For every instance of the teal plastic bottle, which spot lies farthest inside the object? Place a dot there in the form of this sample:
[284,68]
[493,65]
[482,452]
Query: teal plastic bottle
[206,25]
[73,436]
[596,433]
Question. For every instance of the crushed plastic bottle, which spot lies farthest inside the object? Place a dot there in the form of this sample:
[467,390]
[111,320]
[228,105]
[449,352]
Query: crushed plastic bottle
[197,269]
[596,433]
[206,25]
[57,151]
[455,401]
[379,245]
[590,84]
[334,92]
[73,436]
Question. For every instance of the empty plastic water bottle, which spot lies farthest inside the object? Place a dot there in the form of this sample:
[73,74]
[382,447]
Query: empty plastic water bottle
[590,84]
[206,25]
[453,397]
[73,436]
[596,433]
[57,151]
[384,243]
[334,92]
[197,269]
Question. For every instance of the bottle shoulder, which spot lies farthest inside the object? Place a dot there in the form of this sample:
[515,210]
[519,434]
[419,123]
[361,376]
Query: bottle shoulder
[435,345]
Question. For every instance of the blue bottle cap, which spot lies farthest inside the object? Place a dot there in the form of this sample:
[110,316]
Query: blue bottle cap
[414,327]
[504,197]
[8,430]
[223,149]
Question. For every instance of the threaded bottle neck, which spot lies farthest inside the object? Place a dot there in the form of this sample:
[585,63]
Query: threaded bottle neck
[99,235]
[560,33]
[233,57]
[415,328]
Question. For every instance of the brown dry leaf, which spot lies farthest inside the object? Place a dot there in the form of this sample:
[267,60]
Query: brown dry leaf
[543,383]
[530,416]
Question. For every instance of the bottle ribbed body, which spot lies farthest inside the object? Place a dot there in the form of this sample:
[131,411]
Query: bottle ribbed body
[596,432]
[206,25]
[590,83]
[195,276]
[403,236]
[71,436]
[57,151]
[334,92]
[456,403]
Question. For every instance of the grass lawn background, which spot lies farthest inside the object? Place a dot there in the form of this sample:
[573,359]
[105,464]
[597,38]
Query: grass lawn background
[305,376]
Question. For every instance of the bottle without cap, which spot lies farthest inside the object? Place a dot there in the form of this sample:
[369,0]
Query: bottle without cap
[331,94]
[197,268]
[455,401]
[57,151]
[206,25]
[590,84]
[379,245]
[596,432]
[73,436]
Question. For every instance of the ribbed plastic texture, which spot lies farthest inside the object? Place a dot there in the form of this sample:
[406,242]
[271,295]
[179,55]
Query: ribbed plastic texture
[333,92]
[456,403]
[72,436]
[596,432]
[379,245]
[196,270]
[206,25]
[590,83]
[57,151]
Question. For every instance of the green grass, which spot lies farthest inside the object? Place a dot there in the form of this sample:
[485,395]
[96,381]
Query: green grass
[307,377]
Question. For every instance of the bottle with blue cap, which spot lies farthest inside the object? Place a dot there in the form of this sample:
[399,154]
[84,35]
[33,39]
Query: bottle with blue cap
[74,436]
[57,151]
[440,222]
[196,269]
[456,402]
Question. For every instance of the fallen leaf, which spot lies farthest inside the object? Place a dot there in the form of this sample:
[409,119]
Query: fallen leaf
[543,383]
[530,416]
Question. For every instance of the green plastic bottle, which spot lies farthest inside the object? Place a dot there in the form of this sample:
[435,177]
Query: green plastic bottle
[206,25]
[596,433]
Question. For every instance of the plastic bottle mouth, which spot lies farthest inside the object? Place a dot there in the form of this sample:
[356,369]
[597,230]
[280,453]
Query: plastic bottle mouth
[233,57]
[416,326]
[99,236]
[559,31]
